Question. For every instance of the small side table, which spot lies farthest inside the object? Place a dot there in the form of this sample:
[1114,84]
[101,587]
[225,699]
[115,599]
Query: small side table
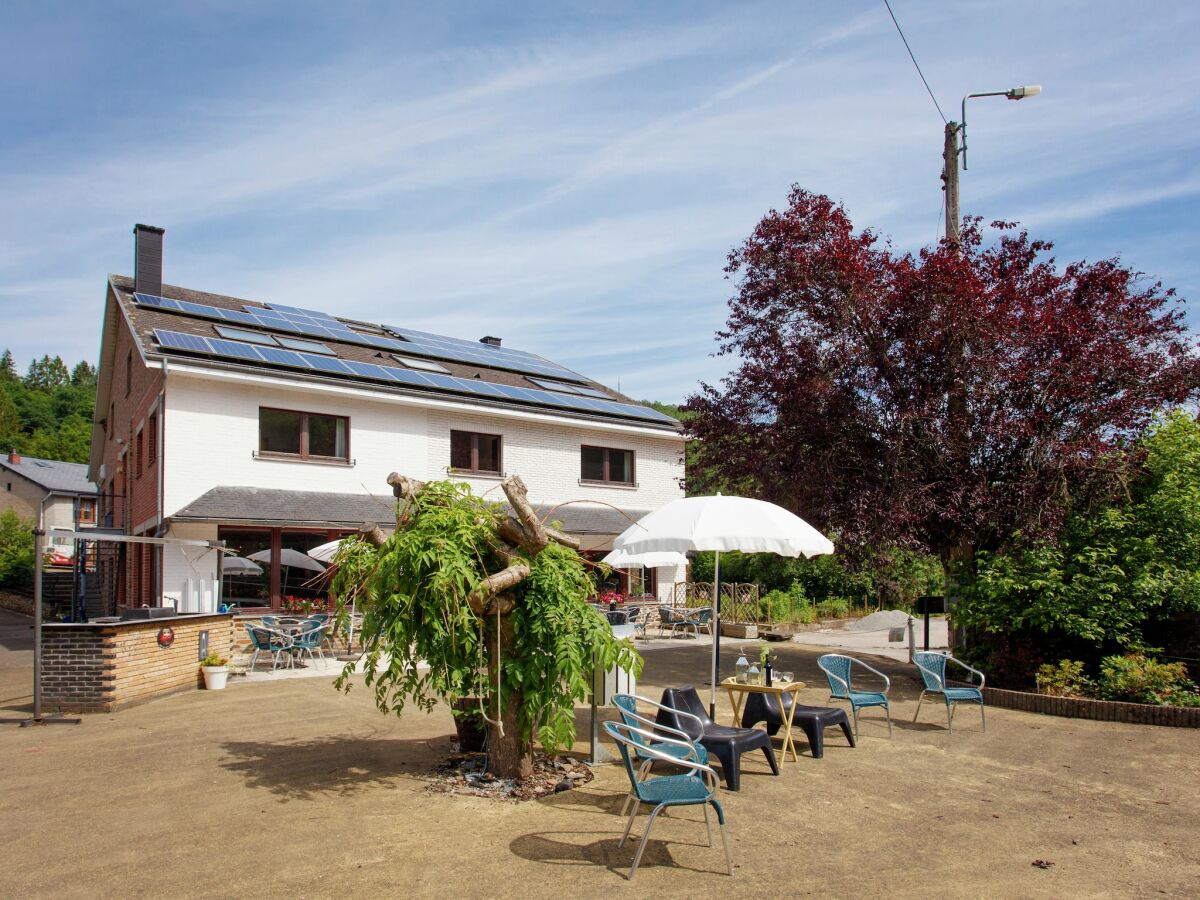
[737,697]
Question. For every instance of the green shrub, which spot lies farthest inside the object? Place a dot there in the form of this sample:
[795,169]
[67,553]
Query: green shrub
[1066,679]
[833,608]
[16,551]
[1136,678]
[789,606]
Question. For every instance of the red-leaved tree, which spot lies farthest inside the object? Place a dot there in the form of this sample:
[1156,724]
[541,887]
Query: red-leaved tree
[850,355]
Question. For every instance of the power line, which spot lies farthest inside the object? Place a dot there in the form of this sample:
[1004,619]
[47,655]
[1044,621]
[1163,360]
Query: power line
[914,59]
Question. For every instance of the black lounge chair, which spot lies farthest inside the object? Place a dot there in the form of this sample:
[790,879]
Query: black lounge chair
[812,720]
[723,742]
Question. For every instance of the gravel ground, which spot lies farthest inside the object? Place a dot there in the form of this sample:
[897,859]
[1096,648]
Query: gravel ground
[290,789]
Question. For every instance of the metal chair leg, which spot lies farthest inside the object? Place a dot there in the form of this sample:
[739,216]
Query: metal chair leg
[888,710]
[920,700]
[725,841]
[982,718]
[637,859]
[950,718]
[708,825]
[641,774]
[629,824]
[254,658]
[854,713]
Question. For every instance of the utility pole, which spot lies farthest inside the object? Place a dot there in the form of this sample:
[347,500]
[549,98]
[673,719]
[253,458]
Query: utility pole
[950,183]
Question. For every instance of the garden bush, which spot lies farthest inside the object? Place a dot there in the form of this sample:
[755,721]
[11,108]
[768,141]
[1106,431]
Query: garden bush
[1066,679]
[833,608]
[1136,678]
[789,606]
[16,551]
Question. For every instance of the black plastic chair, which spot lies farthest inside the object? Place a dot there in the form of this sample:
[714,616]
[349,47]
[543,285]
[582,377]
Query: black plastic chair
[812,720]
[723,742]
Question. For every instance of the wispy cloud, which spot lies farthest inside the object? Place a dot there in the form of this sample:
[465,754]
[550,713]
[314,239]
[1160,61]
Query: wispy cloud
[573,178]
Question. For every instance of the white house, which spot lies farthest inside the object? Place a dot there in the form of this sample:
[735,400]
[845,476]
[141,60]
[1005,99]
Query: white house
[274,428]
[49,492]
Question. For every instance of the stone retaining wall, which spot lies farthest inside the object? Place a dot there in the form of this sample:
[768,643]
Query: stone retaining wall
[1103,710]
[105,666]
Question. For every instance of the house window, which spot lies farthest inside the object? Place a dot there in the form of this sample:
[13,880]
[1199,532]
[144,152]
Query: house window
[152,438]
[285,432]
[472,452]
[606,465]
[87,512]
[137,455]
[128,372]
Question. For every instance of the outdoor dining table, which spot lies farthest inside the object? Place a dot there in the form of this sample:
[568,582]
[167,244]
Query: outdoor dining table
[737,697]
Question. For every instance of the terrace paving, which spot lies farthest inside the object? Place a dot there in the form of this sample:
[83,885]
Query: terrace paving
[287,788]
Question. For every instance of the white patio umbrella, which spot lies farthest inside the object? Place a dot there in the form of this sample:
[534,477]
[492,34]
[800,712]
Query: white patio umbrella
[288,557]
[235,565]
[325,552]
[621,559]
[722,523]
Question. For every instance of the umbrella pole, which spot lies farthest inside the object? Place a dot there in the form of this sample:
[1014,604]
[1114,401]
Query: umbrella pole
[716,620]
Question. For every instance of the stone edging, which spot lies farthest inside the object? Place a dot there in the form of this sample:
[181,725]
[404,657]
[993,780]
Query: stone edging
[1104,710]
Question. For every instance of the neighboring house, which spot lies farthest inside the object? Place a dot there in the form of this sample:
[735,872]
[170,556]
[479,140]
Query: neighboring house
[274,428]
[51,493]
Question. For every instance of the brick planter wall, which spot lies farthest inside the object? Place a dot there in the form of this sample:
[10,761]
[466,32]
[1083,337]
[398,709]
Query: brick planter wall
[102,667]
[1103,710]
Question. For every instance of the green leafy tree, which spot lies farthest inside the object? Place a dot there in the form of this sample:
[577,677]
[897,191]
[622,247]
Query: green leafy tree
[1117,570]
[8,367]
[16,550]
[496,607]
[84,375]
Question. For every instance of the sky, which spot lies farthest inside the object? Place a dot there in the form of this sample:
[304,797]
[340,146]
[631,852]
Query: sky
[568,176]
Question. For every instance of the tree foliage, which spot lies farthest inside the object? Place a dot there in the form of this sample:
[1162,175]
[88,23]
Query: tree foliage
[1121,574]
[16,550]
[849,353]
[48,413]
[414,595]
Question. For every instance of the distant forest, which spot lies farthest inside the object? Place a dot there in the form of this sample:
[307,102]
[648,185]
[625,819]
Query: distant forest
[48,413]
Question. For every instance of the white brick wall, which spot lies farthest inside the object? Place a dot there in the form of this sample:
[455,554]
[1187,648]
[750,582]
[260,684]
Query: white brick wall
[210,433]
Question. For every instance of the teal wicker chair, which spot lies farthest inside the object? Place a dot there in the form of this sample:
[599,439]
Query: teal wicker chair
[627,705]
[838,669]
[932,667]
[698,786]
[310,638]
[268,640]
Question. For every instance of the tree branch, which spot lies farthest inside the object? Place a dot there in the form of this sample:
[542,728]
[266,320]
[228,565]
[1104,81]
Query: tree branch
[495,584]
[372,534]
[405,487]
[536,538]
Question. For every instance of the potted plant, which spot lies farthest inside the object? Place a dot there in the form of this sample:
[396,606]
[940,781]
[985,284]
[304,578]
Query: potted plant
[216,672]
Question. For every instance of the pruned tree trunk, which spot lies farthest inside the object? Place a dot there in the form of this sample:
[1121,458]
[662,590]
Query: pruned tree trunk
[509,756]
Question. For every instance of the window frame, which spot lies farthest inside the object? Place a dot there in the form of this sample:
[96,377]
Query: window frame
[304,454]
[152,438]
[606,466]
[475,470]
[138,453]
[87,503]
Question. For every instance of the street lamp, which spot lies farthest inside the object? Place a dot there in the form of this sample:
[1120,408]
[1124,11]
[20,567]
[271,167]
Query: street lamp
[952,150]
[1017,93]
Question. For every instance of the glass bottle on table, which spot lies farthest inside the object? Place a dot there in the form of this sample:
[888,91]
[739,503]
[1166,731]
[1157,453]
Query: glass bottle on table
[741,667]
[753,676]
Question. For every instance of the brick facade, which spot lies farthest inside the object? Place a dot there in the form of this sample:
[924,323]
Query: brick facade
[102,667]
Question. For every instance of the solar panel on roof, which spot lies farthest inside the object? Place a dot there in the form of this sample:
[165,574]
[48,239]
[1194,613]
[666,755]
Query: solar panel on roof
[233,349]
[178,341]
[282,357]
[239,351]
[326,327]
[582,390]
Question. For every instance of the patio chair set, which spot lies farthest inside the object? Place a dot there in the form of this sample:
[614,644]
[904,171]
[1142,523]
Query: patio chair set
[679,732]
[289,639]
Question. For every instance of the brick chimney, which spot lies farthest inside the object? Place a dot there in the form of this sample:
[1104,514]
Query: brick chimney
[490,341]
[14,457]
[147,259]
